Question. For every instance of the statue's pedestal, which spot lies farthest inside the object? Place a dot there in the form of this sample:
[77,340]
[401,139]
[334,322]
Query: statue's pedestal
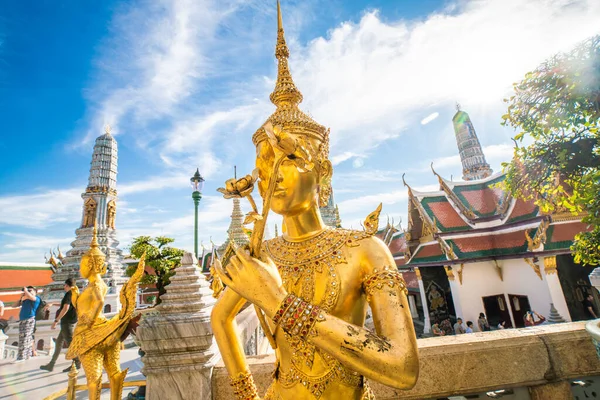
[180,355]
[180,351]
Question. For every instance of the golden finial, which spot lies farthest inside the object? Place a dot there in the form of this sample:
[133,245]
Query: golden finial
[95,256]
[285,94]
[107,129]
[286,97]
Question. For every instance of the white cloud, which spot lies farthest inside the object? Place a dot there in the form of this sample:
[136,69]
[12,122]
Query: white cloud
[161,182]
[368,80]
[430,118]
[40,210]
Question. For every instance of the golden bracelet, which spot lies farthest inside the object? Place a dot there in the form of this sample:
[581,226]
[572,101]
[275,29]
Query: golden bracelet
[297,317]
[379,279]
[244,387]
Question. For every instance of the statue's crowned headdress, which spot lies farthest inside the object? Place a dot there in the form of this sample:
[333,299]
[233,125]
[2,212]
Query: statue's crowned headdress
[95,256]
[286,98]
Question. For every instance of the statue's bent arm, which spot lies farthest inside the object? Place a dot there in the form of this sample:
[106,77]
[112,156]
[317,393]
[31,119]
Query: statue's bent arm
[224,327]
[92,306]
[390,356]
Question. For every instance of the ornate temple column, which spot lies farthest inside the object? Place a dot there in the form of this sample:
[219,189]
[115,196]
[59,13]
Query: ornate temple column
[455,288]
[412,304]
[178,342]
[3,339]
[427,322]
[555,288]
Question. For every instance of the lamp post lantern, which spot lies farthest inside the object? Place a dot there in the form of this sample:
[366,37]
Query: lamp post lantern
[197,184]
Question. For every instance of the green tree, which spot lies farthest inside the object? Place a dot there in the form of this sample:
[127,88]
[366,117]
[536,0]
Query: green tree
[163,259]
[556,108]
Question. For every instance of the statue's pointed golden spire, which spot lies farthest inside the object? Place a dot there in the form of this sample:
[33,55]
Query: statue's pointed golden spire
[285,94]
[94,246]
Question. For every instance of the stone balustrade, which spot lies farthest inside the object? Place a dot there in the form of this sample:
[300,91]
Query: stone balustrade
[543,359]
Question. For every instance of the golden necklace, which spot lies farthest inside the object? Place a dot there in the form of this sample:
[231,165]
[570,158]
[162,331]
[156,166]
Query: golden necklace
[299,263]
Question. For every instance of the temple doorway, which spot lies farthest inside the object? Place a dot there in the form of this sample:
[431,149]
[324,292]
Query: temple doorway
[519,305]
[496,310]
[576,286]
[107,309]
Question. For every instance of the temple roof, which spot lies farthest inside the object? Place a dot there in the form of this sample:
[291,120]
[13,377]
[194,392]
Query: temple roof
[468,221]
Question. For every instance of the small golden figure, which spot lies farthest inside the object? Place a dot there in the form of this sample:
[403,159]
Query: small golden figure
[97,340]
[313,283]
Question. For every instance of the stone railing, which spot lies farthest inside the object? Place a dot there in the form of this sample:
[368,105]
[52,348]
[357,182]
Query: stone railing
[543,359]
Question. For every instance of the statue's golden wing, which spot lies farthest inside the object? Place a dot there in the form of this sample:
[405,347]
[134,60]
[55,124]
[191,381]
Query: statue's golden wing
[129,290]
[371,223]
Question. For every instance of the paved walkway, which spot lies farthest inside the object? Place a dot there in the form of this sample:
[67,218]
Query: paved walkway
[27,381]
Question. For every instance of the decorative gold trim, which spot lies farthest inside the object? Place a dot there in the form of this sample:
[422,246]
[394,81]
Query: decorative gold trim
[467,212]
[499,270]
[448,249]
[429,226]
[536,268]
[503,205]
[101,189]
[449,272]
[567,216]
[459,272]
[539,238]
[550,265]
[371,224]
[418,273]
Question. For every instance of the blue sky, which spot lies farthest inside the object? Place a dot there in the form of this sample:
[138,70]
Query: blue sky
[185,83]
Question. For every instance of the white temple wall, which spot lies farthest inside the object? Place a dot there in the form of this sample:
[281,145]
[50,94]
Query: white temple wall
[481,280]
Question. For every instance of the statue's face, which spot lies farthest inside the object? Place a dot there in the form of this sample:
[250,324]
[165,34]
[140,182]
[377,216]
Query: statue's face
[85,267]
[295,191]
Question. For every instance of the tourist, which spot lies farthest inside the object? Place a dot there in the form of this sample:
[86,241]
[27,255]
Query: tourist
[469,327]
[502,325]
[29,304]
[458,327]
[436,330]
[588,307]
[529,318]
[67,318]
[3,322]
[483,323]
[446,327]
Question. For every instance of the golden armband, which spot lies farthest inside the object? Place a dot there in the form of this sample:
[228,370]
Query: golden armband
[297,317]
[386,277]
[244,387]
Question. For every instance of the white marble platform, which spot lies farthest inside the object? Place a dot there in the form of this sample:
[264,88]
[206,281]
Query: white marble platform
[27,381]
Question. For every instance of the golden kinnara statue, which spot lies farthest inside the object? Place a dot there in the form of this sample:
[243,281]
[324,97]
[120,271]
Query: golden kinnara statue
[97,340]
[313,283]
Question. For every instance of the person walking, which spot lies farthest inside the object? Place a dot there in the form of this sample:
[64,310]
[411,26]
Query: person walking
[483,323]
[458,327]
[67,318]
[588,307]
[3,322]
[29,303]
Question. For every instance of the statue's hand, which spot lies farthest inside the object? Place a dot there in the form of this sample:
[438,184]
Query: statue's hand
[257,281]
